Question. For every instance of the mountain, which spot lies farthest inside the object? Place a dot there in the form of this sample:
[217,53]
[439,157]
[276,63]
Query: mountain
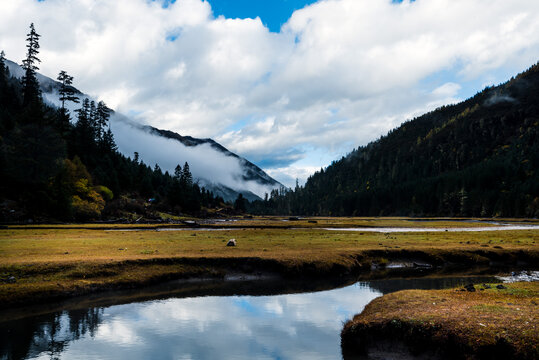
[479,157]
[212,165]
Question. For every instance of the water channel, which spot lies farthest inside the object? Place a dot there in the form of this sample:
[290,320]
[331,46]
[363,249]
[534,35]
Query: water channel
[227,320]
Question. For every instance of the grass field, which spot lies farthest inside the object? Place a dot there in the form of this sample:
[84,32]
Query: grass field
[488,323]
[40,262]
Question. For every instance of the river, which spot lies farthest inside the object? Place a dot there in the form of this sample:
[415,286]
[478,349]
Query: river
[205,324]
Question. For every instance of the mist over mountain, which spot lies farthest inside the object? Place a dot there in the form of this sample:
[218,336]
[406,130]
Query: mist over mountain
[212,165]
[479,157]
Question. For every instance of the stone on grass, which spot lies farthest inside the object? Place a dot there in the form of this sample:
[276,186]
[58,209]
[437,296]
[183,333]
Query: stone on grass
[231,242]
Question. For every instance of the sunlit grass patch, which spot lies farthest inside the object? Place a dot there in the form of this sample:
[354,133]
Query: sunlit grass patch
[484,321]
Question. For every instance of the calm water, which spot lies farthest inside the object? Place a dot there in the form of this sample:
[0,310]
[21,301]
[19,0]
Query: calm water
[291,326]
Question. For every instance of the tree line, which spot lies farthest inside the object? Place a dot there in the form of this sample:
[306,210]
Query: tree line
[476,158]
[58,165]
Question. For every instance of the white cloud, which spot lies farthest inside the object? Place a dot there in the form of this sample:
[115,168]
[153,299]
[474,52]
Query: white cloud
[340,71]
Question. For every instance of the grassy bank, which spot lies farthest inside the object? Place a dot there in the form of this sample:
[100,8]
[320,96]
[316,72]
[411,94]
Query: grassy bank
[43,263]
[488,323]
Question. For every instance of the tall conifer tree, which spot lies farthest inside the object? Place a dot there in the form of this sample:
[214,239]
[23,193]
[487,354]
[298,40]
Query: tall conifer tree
[67,92]
[31,91]
[187,177]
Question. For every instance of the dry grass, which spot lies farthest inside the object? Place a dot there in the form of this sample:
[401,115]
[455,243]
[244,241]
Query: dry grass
[472,323]
[69,260]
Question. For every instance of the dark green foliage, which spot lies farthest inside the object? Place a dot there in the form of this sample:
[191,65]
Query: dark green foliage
[183,194]
[476,158]
[240,203]
[53,169]
[67,91]
[31,90]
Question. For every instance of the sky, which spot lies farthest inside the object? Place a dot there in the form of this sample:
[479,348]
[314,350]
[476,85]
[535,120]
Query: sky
[291,85]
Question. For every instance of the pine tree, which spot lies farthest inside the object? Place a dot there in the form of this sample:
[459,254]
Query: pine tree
[67,93]
[239,204]
[102,116]
[3,67]
[107,142]
[178,172]
[31,90]
[83,115]
[5,93]
[92,116]
[187,177]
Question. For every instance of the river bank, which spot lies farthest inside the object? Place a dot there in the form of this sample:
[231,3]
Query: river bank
[482,321]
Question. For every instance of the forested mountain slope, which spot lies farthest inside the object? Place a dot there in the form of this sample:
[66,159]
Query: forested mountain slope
[476,158]
[168,148]
[53,167]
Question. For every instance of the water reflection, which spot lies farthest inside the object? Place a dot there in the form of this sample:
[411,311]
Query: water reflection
[292,326]
[47,336]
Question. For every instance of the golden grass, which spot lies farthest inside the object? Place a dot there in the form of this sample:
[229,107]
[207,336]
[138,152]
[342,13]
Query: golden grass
[473,321]
[68,259]
[60,245]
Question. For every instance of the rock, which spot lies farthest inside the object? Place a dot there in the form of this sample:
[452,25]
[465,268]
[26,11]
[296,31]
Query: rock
[231,242]
[312,222]
[500,287]
[469,288]
[11,280]
[487,286]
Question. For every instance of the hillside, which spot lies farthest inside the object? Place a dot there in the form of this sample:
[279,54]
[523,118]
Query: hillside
[153,146]
[476,158]
[57,167]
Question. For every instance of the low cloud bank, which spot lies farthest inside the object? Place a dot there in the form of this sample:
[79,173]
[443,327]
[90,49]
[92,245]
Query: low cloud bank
[205,162]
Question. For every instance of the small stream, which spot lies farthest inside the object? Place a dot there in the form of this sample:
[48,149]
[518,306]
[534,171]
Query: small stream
[491,227]
[299,325]
[440,229]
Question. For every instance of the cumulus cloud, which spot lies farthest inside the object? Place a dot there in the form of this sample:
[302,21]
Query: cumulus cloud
[340,72]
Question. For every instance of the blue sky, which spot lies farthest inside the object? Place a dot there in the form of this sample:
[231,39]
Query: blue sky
[273,13]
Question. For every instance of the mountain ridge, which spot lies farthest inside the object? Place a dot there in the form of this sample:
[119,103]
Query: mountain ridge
[479,157]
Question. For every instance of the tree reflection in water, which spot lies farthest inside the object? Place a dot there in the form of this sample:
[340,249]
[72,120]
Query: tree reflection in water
[47,334]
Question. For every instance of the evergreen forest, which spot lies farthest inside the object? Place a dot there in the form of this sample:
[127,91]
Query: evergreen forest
[476,158]
[55,165]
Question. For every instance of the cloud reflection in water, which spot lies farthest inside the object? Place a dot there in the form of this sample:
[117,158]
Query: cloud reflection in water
[297,326]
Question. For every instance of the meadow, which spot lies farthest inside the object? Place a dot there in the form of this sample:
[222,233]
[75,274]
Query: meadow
[47,262]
